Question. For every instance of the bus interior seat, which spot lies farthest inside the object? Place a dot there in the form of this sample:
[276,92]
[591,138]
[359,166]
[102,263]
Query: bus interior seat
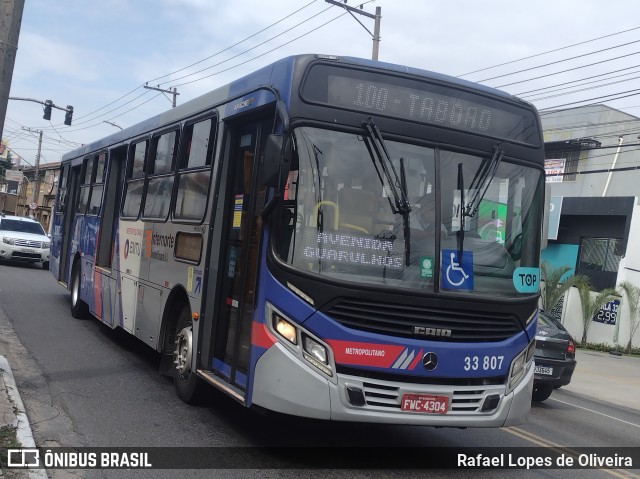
[356,209]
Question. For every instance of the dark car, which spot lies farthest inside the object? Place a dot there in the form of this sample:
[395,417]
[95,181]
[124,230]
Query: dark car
[555,357]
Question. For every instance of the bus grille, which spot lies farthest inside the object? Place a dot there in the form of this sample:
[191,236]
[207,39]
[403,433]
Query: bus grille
[401,319]
[379,395]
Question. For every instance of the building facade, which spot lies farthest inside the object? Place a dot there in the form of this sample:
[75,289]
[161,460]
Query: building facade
[593,180]
[37,194]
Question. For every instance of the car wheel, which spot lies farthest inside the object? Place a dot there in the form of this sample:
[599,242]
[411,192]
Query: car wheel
[187,384]
[79,308]
[541,392]
[45,265]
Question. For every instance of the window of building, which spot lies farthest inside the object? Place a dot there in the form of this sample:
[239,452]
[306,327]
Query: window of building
[600,254]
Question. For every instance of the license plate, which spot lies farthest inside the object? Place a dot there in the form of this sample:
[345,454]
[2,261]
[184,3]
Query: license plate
[543,370]
[25,250]
[426,403]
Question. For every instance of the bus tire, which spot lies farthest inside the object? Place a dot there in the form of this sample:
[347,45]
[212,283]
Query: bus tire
[79,308]
[186,382]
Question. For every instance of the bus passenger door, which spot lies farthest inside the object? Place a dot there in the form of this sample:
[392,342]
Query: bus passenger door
[69,208]
[107,246]
[105,278]
[239,254]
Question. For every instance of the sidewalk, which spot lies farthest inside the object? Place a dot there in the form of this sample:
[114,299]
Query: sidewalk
[603,376]
[13,417]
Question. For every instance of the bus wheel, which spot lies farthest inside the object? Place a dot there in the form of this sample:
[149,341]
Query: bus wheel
[188,385]
[79,308]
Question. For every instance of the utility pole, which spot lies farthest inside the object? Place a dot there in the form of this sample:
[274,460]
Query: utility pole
[376,27]
[173,92]
[36,187]
[10,20]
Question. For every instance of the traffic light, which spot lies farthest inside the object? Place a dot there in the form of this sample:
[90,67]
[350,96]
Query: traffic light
[47,110]
[68,115]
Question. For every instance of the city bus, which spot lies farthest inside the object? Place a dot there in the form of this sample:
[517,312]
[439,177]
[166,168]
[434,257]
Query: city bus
[327,237]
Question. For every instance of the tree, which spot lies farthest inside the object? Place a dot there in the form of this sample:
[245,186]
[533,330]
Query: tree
[553,287]
[632,292]
[5,164]
[591,305]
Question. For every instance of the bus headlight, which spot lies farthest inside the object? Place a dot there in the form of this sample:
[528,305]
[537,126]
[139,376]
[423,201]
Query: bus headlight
[519,366]
[287,330]
[300,342]
[316,354]
[315,349]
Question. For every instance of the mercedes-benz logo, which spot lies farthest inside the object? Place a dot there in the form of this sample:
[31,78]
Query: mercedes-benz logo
[430,361]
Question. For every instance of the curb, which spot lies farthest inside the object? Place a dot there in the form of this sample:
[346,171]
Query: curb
[23,431]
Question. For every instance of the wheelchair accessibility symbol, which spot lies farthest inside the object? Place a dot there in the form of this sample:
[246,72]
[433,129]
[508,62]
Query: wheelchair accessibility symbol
[456,273]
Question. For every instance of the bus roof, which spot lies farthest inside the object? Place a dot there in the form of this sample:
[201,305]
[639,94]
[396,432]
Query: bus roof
[273,75]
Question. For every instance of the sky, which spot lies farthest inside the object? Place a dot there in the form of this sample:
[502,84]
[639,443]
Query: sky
[97,56]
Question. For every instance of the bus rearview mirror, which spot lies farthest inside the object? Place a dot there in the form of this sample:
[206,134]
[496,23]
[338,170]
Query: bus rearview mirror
[271,162]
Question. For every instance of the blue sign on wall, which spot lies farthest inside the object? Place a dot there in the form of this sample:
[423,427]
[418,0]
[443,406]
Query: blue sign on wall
[608,313]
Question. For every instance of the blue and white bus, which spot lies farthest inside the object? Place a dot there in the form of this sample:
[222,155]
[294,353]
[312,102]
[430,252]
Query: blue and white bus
[333,238]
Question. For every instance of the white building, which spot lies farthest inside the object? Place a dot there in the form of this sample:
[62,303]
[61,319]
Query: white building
[593,173]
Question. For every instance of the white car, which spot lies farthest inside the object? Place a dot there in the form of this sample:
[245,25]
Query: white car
[23,239]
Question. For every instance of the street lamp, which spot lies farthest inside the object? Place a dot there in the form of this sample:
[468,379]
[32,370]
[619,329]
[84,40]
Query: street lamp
[112,124]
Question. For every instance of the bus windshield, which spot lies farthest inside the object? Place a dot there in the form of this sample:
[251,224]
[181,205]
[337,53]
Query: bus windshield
[341,218]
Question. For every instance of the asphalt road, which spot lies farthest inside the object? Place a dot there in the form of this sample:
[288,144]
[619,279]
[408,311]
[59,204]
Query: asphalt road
[86,385]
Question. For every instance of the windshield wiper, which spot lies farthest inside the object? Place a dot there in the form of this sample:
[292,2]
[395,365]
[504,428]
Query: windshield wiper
[378,151]
[460,232]
[481,182]
[397,184]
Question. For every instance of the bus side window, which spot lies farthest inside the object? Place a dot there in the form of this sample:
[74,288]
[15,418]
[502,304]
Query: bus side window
[160,176]
[134,185]
[85,188]
[97,185]
[194,173]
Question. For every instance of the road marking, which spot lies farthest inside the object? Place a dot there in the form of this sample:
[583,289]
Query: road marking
[541,441]
[596,412]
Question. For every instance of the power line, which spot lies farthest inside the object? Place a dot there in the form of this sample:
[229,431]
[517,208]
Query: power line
[594,98]
[548,51]
[579,80]
[571,92]
[263,54]
[568,70]
[250,49]
[234,45]
[560,61]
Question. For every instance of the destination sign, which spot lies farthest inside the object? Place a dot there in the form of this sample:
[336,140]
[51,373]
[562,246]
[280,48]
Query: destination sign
[420,101]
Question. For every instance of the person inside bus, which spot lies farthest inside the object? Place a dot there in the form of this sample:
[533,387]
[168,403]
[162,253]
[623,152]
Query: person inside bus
[422,221]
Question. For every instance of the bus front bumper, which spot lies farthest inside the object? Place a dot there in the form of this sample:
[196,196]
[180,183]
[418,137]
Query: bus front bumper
[283,383]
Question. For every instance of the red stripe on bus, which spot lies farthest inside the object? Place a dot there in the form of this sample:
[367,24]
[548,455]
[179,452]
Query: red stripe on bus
[261,336]
[97,302]
[415,360]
